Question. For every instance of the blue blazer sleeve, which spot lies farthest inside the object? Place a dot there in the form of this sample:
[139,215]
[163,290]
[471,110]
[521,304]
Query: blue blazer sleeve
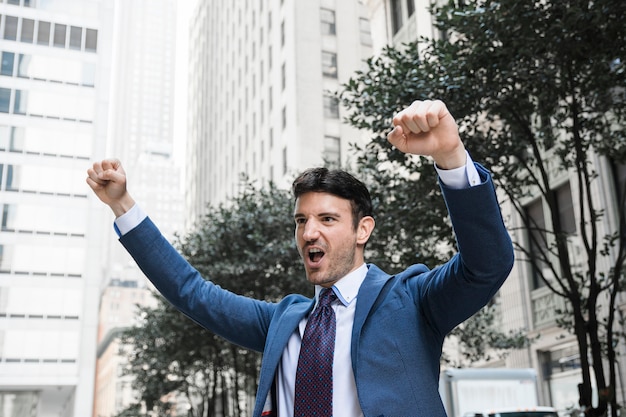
[453,292]
[239,319]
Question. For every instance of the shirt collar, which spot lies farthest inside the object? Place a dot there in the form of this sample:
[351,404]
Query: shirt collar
[347,287]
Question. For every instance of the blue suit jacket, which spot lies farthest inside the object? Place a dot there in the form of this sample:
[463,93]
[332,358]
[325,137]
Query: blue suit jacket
[400,321]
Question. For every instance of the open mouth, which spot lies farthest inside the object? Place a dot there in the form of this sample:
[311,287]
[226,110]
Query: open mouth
[315,255]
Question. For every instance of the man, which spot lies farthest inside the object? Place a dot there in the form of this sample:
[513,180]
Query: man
[388,330]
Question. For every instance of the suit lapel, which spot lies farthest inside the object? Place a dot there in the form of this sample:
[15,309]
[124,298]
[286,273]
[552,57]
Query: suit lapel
[277,340]
[368,294]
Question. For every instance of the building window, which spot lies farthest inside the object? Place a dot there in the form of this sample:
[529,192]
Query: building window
[43,33]
[28,31]
[537,243]
[366,32]
[282,34]
[91,40]
[8,59]
[5,100]
[59,35]
[331,107]
[332,151]
[566,209]
[285,160]
[10,28]
[329,64]
[327,18]
[284,117]
[396,15]
[13,175]
[283,76]
[410,7]
[76,37]
[20,103]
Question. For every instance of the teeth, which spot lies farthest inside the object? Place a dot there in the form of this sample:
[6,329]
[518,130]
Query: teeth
[315,250]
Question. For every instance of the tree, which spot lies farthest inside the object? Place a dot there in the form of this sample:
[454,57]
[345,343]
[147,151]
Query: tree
[538,91]
[246,246]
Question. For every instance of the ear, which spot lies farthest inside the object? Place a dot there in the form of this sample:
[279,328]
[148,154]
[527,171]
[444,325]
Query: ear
[364,230]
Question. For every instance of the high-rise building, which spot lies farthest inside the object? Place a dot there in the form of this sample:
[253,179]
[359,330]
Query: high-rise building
[259,102]
[56,61]
[141,132]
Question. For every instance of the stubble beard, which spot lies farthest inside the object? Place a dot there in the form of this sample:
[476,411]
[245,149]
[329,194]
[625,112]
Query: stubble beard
[337,268]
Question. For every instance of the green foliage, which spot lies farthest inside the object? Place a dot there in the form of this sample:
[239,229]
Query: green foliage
[538,89]
[246,246]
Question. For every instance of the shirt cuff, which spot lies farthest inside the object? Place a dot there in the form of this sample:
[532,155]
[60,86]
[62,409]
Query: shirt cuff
[129,220]
[461,177]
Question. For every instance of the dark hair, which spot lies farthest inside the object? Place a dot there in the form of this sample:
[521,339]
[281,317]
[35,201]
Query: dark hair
[338,183]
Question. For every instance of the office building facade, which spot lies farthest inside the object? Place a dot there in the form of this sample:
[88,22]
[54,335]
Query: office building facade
[260,73]
[53,120]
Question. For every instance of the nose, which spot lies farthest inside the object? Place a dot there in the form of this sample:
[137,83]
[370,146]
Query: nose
[311,231]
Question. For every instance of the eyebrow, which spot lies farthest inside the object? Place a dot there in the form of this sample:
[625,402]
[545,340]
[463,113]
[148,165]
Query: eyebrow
[323,214]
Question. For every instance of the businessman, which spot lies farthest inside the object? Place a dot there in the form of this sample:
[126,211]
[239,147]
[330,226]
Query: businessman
[369,343]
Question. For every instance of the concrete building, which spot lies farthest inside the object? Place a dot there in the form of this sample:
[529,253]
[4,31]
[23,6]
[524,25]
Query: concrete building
[258,101]
[56,60]
[525,302]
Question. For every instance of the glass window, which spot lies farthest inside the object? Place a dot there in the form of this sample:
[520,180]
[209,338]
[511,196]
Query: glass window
[5,100]
[16,140]
[327,18]
[8,217]
[45,179]
[59,301]
[5,258]
[537,244]
[89,74]
[8,59]
[59,35]
[20,103]
[28,30]
[366,33]
[396,16]
[410,7]
[10,28]
[67,106]
[329,64]
[76,37]
[566,209]
[331,107]
[284,117]
[52,141]
[282,34]
[13,177]
[332,151]
[283,76]
[91,40]
[5,132]
[23,65]
[43,33]
[44,218]
[27,3]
